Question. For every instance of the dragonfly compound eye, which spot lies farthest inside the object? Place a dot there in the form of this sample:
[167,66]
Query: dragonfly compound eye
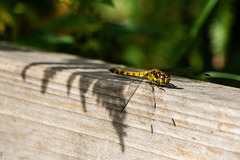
[162,79]
[167,78]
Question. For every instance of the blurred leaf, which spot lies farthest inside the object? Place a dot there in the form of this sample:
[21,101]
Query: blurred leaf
[220,32]
[221,78]
[53,40]
[221,26]
[133,55]
[68,21]
[194,30]
[213,74]
[107,2]
[202,18]
[128,28]
[44,39]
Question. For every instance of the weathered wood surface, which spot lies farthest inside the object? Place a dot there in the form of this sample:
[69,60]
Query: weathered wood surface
[57,106]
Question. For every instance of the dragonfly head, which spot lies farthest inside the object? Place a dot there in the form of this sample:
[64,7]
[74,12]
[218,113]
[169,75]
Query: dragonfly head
[165,78]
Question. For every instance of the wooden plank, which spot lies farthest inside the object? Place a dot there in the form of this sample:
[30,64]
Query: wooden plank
[58,106]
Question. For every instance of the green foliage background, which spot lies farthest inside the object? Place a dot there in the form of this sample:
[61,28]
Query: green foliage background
[203,34]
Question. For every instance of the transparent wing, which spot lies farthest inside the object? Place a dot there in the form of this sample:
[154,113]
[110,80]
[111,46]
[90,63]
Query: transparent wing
[152,109]
[131,91]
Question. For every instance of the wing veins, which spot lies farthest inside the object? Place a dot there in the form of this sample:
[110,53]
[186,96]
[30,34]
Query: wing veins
[131,95]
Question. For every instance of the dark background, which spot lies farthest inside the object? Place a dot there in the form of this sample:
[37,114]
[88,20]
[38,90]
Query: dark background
[197,39]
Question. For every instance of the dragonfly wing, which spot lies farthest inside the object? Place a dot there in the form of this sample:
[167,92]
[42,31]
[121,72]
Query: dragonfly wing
[131,91]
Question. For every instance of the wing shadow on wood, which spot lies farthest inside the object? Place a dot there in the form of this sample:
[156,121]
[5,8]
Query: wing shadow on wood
[49,72]
[108,95]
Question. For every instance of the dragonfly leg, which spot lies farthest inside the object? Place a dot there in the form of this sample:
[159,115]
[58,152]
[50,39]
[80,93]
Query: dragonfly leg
[173,122]
[159,87]
[153,91]
[171,85]
[155,106]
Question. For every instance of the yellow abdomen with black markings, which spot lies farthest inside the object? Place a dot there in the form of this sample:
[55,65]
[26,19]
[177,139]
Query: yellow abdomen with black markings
[128,73]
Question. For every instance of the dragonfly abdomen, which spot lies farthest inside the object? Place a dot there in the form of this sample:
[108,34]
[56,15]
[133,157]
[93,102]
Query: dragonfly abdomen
[128,73]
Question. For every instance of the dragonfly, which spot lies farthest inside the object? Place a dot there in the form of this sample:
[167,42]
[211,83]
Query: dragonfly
[155,76]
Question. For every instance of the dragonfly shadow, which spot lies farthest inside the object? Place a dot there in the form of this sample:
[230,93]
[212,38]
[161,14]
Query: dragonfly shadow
[103,90]
[108,94]
[170,86]
[100,89]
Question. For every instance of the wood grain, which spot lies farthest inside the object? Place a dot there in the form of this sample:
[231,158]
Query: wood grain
[58,106]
